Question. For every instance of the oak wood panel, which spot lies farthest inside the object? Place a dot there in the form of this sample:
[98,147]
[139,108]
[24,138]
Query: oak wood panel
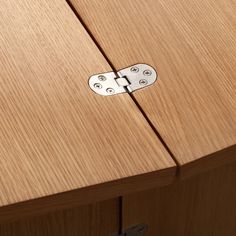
[201,205]
[98,219]
[82,196]
[192,45]
[56,135]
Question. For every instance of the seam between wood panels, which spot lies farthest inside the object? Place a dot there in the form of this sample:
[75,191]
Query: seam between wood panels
[90,34]
[131,95]
[154,129]
[120,230]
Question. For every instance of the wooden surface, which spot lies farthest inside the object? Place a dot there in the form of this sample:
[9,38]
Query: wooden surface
[56,135]
[82,196]
[98,219]
[192,45]
[202,205]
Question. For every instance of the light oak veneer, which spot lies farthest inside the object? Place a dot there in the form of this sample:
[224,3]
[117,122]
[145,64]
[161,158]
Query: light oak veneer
[192,45]
[56,135]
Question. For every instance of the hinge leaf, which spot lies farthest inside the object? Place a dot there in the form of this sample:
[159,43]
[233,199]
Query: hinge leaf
[128,80]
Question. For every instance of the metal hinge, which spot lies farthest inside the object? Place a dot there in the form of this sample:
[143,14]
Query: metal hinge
[126,80]
[138,230]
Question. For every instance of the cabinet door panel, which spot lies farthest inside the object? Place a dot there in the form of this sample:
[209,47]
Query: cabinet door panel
[201,205]
[97,219]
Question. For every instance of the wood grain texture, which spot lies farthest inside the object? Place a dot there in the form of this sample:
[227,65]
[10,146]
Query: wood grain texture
[56,135]
[98,219]
[82,196]
[201,205]
[192,45]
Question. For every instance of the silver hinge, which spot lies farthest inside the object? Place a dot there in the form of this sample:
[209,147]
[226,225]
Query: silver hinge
[126,80]
[138,230]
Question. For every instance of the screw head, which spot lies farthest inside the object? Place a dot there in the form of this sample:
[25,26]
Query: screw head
[147,72]
[110,90]
[134,69]
[102,77]
[97,86]
[143,82]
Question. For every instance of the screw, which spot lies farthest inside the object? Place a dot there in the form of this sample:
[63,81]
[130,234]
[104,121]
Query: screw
[110,90]
[102,78]
[147,72]
[97,86]
[134,69]
[143,82]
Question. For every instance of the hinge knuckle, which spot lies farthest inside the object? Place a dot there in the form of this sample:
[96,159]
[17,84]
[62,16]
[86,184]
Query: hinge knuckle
[122,81]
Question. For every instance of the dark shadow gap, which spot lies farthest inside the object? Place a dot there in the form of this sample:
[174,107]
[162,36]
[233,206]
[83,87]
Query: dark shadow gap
[90,34]
[120,230]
